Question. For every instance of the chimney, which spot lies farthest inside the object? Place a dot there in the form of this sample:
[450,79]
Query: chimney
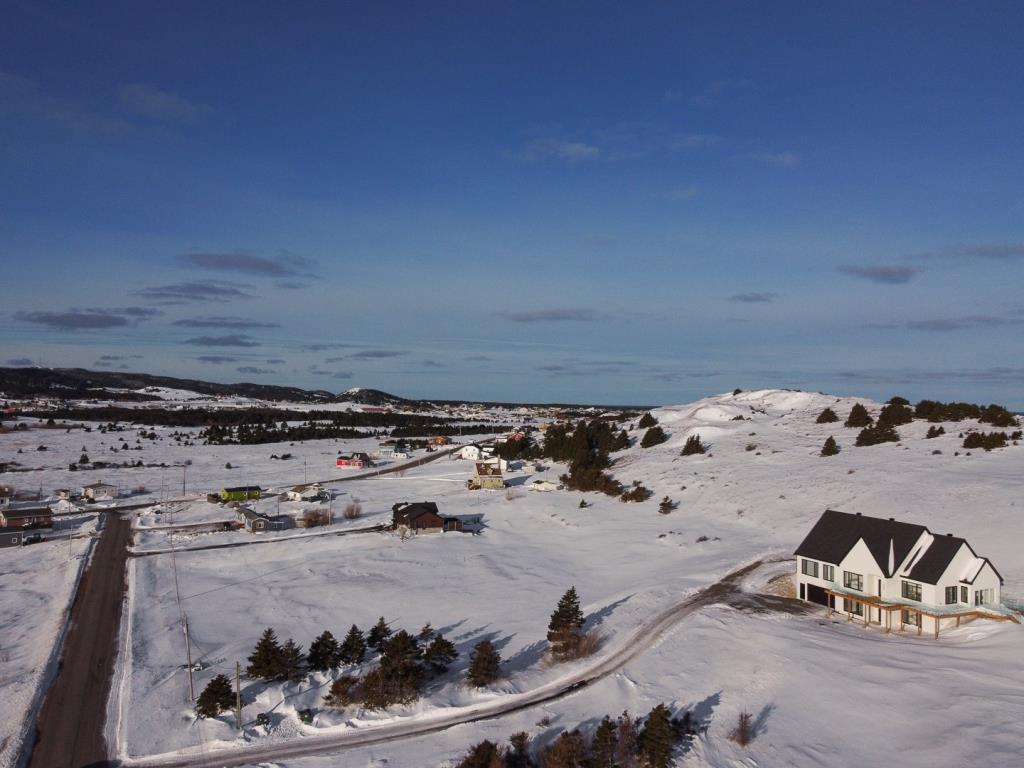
[892,519]
[858,514]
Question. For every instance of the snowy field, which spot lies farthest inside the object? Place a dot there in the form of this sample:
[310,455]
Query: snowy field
[36,586]
[823,694]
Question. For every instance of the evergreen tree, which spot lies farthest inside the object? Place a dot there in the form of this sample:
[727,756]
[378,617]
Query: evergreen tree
[216,697]
[265,660]
[602,748]
[484,664]
[569,750]
[427,633]
[826,417]
[324,653]
[934,431]
[353,647]
[647,421]
[293,667]
[399,677]
[342,692]
[693,446]
[830,448]
[440,654]
[518,756]
[658,738]
[653,436]
[859,417]
[566,624]
[483,755]
[626,741]
[378,634]
[895,414]
[876,434]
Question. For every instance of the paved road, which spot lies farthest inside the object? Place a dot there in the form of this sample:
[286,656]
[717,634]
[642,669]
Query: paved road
[643,638]
[69,733]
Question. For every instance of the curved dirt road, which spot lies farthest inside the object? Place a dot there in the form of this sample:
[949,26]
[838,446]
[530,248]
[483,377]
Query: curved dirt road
[644,637]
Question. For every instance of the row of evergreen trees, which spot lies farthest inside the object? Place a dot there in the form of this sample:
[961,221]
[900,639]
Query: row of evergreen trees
[623,742]
[897,411]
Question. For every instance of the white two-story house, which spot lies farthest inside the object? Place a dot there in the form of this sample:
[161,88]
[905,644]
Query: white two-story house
[897,575]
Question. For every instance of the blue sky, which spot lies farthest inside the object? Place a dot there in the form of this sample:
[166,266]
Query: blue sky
[589,202]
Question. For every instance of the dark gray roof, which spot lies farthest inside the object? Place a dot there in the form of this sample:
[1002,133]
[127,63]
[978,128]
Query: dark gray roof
[836,533]
[936,559]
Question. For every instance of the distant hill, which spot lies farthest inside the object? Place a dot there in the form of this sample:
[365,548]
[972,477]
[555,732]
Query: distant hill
[362,396]
[82,383]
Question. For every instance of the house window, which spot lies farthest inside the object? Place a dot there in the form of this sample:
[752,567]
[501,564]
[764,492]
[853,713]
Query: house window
[828,573]
[984,596]
[912,617]
[851,606]
[912,591]
[950,595]
[853,581]
[809,568]
[964,595]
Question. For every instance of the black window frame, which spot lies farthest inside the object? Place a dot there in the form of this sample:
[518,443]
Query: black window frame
[914,588]
[813,564]
[848,581]
[965,595]
[955,593]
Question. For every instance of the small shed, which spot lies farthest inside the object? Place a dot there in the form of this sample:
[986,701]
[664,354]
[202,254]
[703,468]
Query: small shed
[310,493]
[99,491]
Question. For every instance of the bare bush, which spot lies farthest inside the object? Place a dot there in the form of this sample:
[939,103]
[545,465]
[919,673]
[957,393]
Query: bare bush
[744,731]
[353,509]
[316,517]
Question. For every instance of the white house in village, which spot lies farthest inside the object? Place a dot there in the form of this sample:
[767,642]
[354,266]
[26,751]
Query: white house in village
[311,492]
[896,575]
[473,452]
[99,491]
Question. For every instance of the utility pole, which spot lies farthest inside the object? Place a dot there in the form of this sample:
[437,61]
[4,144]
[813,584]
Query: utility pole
[238,695]
[188,659]
[303,471]
[184,468]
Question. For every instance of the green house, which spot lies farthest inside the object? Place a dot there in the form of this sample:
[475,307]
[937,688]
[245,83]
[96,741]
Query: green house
[240,493]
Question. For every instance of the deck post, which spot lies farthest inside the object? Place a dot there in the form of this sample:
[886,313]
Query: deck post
[867,612]
[920,621]
[958,619]
[937,620]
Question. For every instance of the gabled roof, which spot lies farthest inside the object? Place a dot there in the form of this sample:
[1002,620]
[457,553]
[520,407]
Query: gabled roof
[836,533]
[936,559]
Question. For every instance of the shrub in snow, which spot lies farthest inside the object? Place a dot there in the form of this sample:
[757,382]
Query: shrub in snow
[876,434]
[934,431]
[743,734]
[637,493]
[353,509]
[693,446]
[667,505]
[985,440]
[342,692]
[830,448]
[826,417]
[895,414]
[653,436]
[647,421]
[859,417]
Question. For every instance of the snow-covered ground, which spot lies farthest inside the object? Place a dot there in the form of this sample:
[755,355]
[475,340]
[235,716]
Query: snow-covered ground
[36,586]
[829,694]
